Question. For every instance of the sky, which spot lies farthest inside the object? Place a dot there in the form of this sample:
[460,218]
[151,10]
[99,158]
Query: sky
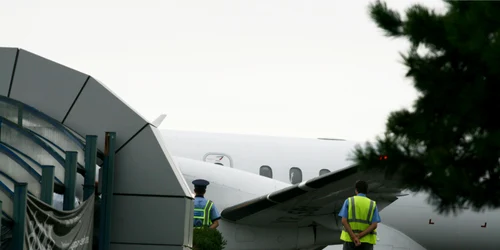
[269,67]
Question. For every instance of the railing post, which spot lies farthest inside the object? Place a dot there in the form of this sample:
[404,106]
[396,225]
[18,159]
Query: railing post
[107,190]
[47,184]
[90,165]
[70,180]
[1,216]
[20,193]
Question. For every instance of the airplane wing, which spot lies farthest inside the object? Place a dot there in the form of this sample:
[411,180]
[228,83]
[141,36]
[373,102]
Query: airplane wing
[317,200]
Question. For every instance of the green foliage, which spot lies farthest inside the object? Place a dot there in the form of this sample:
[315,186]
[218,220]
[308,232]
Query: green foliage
[208,239]
[449,143]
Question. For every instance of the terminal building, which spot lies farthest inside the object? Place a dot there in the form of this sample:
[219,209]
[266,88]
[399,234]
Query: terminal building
[46,110]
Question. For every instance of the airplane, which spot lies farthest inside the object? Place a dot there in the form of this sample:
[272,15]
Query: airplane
[285,193]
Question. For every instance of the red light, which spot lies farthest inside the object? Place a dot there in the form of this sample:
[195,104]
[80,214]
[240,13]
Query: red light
[382,157]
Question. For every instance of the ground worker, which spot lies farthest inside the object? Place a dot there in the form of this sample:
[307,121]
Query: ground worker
[205,212]
[359,218]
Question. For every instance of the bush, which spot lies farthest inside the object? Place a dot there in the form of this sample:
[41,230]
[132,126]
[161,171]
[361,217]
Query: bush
[208,239]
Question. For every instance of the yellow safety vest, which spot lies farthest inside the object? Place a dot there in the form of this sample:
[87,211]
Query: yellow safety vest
[203,214]
[360,214]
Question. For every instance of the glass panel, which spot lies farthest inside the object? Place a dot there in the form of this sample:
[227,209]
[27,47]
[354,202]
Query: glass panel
[26,144]
[7,183]
[43,125]
[266,171]
[56,135]
[9,111]
[51,145]
[100,159]
[6,196]
[35,165]
[19,173]
[81,138]
[324,171]
[58,149]
[295,175]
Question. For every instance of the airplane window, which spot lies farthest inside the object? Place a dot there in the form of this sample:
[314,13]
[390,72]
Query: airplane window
[295,175]
[324,171]
[266,171]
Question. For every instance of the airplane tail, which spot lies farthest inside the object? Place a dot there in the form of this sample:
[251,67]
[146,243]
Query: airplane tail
[157,122]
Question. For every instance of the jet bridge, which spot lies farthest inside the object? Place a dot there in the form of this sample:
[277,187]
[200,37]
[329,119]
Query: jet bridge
[48,110]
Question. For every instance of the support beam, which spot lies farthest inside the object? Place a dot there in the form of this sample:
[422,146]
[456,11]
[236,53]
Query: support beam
[47,184]
[107,190]
[20,193]
[90,165]
[70,180]
[20,115]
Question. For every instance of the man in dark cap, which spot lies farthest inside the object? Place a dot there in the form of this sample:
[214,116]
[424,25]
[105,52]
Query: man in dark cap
[205,212]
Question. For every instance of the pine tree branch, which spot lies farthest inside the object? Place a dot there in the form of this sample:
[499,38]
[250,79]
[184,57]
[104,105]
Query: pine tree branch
[386,19]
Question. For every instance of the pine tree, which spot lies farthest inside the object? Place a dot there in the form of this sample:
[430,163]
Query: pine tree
[448,144]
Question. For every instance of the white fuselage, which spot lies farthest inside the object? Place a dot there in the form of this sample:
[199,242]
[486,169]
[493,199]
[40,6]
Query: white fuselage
[293,160]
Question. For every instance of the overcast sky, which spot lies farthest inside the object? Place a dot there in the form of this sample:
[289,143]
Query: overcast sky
[286,68]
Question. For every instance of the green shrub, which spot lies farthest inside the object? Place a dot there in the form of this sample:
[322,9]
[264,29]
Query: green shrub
[208,239]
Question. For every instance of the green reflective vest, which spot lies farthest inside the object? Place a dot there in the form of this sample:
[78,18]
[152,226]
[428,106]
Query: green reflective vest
[203,214]
[360,214]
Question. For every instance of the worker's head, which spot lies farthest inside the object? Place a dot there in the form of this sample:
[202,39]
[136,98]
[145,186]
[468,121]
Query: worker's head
[200,186]
[361,187]
[200,191]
